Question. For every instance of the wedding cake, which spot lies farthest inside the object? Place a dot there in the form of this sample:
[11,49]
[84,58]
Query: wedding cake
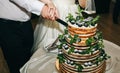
[81,48]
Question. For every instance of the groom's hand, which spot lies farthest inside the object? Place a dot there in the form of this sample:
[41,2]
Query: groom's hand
[53,11]
[50,12]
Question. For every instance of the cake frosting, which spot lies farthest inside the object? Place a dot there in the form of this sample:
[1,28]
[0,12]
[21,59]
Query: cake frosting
[81,48]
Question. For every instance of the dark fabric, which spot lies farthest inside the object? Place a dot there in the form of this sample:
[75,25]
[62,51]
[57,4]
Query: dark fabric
[102,6]
[116,11]
[16,40]
[76,2]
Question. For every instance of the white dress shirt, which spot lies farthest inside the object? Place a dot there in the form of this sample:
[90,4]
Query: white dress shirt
[19,10]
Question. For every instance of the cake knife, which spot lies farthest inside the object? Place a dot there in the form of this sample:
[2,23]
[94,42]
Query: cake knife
[53,46]
[62,22]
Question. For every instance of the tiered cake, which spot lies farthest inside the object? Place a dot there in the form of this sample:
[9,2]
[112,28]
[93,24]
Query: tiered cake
[81,46]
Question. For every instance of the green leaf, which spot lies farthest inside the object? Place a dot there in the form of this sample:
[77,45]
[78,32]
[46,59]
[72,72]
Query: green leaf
[61,58]
[71,41]
[94,21]
[89,41]
[59,46]
[66,31]
[75,36]
[79,67]
[71,50]
[80,11]
[70,17]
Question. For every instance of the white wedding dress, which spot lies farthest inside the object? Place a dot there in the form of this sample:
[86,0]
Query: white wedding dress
[47,31]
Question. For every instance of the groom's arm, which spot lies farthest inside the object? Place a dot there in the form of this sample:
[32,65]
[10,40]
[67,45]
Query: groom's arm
[46,1]
[33,6]
[37,7]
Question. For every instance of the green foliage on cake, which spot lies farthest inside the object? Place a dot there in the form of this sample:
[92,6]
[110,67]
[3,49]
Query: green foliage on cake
[80,20]
[93,43]
[98,46]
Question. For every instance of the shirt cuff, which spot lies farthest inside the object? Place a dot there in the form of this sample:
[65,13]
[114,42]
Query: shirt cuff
[36,7]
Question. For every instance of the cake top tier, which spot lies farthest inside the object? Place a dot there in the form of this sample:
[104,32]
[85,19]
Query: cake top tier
[82,26]
[81,21]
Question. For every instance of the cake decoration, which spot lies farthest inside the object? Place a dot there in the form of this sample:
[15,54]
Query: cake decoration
[81,48]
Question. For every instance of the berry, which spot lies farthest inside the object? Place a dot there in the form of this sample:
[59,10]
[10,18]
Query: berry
[72,21]
[80,24]
[86,25]
[92,24]
[77,17]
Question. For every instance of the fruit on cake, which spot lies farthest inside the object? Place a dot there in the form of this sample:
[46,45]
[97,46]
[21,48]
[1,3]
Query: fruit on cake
[81,48]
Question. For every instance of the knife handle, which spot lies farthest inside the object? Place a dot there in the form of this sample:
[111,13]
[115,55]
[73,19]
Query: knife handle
[62,22]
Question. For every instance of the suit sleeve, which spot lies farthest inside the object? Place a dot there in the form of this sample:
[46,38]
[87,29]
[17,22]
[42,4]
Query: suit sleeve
[33,6]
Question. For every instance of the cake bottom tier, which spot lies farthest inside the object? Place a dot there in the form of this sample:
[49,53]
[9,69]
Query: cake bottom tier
[100,69]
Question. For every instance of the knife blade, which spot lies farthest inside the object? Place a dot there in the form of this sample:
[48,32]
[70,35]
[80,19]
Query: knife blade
[62,22]
[53,46]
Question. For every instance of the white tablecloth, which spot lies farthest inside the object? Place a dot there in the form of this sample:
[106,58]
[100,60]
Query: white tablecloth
[43,62]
